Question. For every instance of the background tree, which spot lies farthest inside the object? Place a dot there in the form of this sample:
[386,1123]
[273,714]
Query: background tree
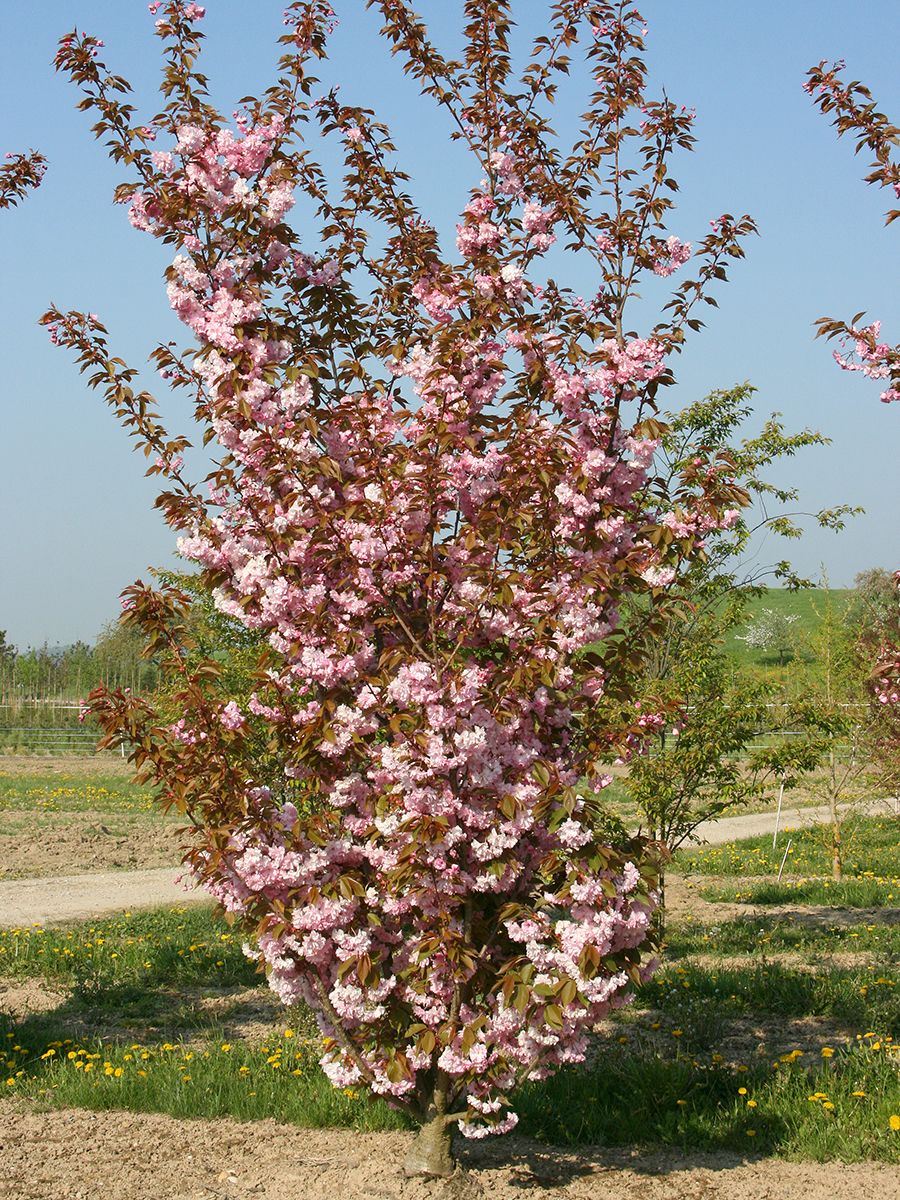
[435,487]
[7,651]
[773,632]
[707,758]
[704,761]
[834,727]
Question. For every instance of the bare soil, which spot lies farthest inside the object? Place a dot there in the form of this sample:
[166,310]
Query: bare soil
[34,845]
[24,765]
[77,1155]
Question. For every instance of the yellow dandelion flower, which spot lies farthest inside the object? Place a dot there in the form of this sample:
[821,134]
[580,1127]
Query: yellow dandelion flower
[827,1052]
[894,1122]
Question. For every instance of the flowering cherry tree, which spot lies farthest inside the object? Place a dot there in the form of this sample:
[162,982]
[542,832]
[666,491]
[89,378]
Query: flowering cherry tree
[857,113]
[19,174]
[435,487]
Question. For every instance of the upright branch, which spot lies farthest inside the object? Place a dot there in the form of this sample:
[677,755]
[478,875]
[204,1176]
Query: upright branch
[436,486]
[855,112]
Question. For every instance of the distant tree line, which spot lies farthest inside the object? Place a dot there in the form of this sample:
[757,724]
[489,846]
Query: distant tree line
[64,674]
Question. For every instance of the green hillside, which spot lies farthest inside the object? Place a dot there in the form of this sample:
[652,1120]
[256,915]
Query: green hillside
[806,605]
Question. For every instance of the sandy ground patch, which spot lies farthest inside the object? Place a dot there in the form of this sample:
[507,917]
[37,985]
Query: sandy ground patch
[21,998]
[77,1155]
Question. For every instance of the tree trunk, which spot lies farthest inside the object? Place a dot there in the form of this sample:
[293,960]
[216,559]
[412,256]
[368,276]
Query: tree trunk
[837,858]
[659,916]
[431,1153]
[837,855]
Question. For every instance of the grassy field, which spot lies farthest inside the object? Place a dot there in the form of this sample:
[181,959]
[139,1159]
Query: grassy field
[772,1033]
[849,893]
[744,870]
[776,1032]
[71,790]
[806,605]
[675,1070]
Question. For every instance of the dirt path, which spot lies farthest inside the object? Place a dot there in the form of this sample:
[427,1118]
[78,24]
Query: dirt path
[71,897]
[714,833]
[78,1155]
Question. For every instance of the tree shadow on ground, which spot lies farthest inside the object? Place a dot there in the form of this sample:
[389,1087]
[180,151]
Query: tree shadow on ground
[533,1164]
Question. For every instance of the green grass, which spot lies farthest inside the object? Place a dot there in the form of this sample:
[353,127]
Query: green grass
[72,792]
[850,893]
[754,935]
[623,1099]
[871,845]
[133,979]
[699,999]
[159,949]
[648,1102]
[280,1079]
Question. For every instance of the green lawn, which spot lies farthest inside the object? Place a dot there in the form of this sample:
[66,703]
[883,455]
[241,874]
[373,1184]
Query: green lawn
[668,1071]
[850,893]
[761,935]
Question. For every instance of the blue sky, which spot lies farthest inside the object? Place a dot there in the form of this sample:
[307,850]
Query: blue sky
[76,517]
